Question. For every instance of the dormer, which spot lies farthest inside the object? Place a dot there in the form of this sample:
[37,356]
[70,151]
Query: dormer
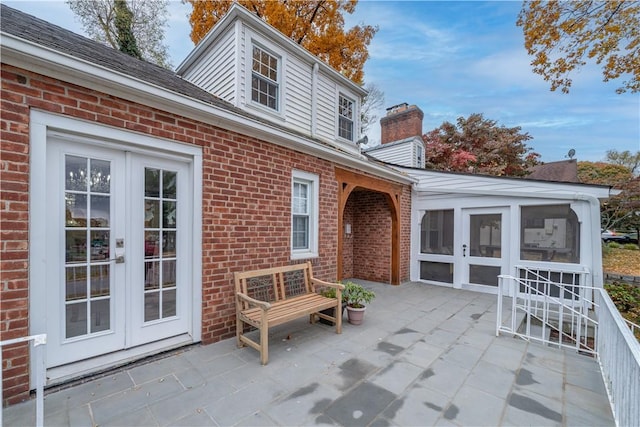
[250,64]
[401,140]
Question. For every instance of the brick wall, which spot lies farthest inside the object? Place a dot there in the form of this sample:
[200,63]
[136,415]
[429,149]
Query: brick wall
[245,206]
[372,237]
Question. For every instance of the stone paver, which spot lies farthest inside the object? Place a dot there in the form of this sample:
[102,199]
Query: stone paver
[425,355]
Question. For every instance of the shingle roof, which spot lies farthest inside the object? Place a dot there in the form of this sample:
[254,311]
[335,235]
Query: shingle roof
[560,171]
[49,35]
[44,33]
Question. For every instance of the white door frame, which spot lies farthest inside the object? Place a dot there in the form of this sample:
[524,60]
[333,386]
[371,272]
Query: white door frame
[45,125]
[466,259]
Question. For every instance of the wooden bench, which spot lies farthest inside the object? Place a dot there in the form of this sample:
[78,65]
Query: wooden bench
[273,296]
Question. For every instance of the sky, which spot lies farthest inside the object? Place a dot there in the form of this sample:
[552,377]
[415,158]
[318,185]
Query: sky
[453,59]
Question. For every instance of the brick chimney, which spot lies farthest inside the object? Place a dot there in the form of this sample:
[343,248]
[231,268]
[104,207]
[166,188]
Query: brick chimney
[402,121]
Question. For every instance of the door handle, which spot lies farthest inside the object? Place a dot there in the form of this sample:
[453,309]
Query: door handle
[464,250]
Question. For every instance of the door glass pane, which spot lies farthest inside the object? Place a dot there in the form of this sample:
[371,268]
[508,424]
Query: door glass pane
[100,319]
[486,234]
[76,283]
[87,242]
[484,274]
[76,319]
[161,231]
[100,280]
[151,275]
[100,211]
[151,306]
[99,245]
[151,244]
[75,173]
[76,246]
[169,180]
[75,210]
[168,244]
[100,176]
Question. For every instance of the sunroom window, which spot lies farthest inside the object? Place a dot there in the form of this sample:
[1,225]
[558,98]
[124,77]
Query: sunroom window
[436,232]
[549,233]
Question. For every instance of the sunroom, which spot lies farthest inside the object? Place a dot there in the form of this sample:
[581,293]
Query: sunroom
[469,229]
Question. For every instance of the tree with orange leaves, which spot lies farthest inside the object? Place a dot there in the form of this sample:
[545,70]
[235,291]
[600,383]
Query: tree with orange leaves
[563,35]
[316,25]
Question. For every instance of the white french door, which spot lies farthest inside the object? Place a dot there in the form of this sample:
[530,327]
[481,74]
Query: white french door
[485,247]
[117,250]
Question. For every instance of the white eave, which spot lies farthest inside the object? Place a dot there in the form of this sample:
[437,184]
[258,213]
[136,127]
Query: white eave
[42,60]
[447,182]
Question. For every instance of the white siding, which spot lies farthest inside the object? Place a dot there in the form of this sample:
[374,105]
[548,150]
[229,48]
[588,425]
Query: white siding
[327,107]
[297,99]
[399,154]
[215,70]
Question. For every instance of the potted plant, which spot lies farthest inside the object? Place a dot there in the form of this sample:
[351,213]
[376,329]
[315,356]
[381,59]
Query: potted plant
[356,298]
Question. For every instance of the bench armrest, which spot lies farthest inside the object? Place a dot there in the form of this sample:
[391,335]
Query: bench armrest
[252,301]
[328,284]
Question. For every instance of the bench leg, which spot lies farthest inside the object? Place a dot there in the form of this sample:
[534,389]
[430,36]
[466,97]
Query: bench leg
[338,313]
[264,338]
[239,328]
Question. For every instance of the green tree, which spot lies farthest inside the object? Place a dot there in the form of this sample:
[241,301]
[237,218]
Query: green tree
[563,35]
[479,145]
[620,211]
[625,158]
[148,21]
[123,20]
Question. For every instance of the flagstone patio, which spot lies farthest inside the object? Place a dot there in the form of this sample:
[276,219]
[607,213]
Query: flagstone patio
[425,355]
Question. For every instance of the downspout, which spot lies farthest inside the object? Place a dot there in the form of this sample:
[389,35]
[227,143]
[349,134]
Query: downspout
[314,99]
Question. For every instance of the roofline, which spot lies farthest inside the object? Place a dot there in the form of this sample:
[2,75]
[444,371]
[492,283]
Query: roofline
[236,11]
[395,143]
[42,60]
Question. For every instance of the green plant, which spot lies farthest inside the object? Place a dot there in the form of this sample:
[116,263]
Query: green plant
[614,245]
[631,246]
[356,295]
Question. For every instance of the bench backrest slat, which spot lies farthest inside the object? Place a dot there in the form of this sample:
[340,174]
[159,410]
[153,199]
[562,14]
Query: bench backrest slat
[276,283]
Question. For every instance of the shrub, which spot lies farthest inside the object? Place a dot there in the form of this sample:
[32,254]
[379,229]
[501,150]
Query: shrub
[356,295]
[631,246]
[614,245]
[626,297]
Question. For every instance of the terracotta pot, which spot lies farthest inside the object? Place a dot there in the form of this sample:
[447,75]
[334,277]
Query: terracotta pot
[355,315]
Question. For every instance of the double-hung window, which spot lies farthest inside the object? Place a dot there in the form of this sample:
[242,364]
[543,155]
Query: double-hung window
[304,215]
[346,110]
[264,78]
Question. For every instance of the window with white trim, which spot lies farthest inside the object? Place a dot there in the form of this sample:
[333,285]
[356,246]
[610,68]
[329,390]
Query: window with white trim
[346,109]
[419,156]
[304,215]
[264,78]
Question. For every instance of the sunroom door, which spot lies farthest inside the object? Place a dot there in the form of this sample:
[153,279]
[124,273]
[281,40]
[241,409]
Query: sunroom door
[485,247]
[118,250]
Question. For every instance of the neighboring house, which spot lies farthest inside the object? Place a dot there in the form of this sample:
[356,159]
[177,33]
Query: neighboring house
[130,194]
[560,171]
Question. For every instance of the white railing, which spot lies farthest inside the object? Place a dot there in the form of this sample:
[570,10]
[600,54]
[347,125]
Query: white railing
[38,342]
[619,358]
[596,328]
[631,326]
[549,306]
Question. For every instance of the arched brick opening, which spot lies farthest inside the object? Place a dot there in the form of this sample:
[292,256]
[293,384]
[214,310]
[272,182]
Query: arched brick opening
[371,207]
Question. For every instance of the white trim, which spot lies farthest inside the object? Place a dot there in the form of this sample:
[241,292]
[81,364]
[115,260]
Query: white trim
[313,181]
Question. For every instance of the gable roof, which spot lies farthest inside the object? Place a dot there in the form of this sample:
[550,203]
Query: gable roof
[37,45]
[560,171]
